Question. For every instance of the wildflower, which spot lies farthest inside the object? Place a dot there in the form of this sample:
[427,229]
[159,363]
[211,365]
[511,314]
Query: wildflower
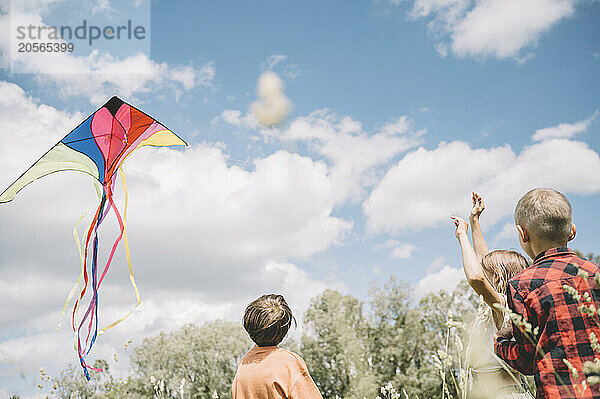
[181,385]
[116,357]
[593,380]
[572,369]
[572,291]
[583,273]
[446,358]
[129,341]
[436,362]
[458,343]
[591,368]
[589,310]
[517,319]
[594,342]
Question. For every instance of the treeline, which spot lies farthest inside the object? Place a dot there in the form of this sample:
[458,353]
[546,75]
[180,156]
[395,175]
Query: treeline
[351,348]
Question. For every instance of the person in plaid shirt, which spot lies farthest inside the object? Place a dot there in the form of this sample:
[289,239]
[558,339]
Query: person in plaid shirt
[553,302]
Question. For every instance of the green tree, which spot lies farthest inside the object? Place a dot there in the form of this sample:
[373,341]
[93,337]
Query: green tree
[336,349]
[403,336]
[398,340]
[192,362]
[72,383]
[196,360]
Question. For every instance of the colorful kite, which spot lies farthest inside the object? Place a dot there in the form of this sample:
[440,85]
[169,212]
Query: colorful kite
[98,147]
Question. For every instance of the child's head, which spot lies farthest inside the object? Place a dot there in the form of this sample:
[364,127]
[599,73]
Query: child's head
[546,215]
[268,319]
[501,265]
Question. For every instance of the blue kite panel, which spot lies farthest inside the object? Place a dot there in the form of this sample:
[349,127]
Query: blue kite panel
[82,140]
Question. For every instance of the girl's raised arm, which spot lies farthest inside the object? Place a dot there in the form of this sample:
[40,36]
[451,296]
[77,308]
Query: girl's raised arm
[474,272]
[478,242]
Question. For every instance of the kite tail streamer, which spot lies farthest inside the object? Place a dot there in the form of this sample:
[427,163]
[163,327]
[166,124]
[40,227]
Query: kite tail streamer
[92,310]
[123,225]
[93,228]
[94,304]
[78,281]
[87,241]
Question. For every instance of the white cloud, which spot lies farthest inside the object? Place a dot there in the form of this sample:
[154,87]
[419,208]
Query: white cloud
[490,28]
[237,119]
[564,130]
[353,153]
[444,279]
[99,75]
[404,251]
[273,60]
[103,6]
[437,264]
[30,129]
[506,233]
[427,186]
[277,62]
[399,250]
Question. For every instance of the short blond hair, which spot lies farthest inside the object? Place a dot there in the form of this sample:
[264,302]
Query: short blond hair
[546,213]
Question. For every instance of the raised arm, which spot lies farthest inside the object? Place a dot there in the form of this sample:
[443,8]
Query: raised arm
[474,272]
[478,242]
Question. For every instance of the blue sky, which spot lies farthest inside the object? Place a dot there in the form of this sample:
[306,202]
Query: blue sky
[399,110]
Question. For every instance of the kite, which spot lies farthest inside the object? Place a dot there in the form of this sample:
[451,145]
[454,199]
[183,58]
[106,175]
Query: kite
[98,147]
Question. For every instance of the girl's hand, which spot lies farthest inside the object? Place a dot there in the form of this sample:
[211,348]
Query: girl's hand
[506,332]
[478,206]
[461,225]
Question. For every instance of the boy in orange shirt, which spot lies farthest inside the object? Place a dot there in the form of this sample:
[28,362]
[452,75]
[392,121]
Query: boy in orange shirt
[266,371]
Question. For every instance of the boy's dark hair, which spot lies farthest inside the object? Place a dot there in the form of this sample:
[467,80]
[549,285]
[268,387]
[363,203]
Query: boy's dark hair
[268,319]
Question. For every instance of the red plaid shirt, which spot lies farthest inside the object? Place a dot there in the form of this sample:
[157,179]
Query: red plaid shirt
[538,295]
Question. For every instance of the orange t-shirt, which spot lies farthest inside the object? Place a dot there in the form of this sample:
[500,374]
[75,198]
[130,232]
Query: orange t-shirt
[270,372]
